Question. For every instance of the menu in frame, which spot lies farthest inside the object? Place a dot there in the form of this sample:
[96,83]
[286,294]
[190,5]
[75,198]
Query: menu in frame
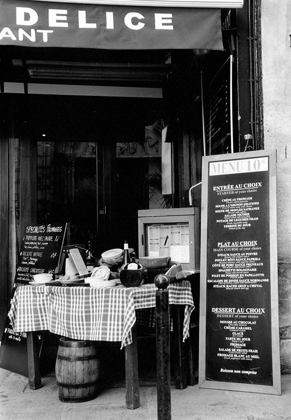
[239,327]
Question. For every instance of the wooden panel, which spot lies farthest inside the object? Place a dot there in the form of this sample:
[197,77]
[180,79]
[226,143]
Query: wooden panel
[4,212]
[132,396]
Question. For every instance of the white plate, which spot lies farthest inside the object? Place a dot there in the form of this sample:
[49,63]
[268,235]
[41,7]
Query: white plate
[102,284]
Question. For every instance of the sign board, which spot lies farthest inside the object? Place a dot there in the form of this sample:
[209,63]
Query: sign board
[239,326]
[40,251]
[230,4]
[73,25]
[13,350]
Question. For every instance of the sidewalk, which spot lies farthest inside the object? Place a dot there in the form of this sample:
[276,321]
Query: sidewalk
[18,402]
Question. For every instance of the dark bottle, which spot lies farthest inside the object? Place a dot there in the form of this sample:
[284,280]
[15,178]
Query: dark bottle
[133,258]
[90,260]
[126,258]
[134,262]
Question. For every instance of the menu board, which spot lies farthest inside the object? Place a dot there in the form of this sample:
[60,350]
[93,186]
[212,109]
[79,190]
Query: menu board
[40,250]
[239,331]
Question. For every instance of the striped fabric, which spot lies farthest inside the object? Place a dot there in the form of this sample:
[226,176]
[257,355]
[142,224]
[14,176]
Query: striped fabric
[87,313]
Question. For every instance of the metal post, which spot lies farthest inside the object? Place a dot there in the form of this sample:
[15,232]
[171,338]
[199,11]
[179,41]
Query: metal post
[163,348]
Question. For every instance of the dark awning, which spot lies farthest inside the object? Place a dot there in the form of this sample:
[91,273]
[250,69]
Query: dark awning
[113,27]
[160,3]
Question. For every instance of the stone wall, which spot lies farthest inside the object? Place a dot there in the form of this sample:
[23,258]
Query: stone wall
[276,69]
[285,311]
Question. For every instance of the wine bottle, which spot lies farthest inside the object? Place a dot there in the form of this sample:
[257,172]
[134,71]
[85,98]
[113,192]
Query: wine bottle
[126,258]
[90,260]
[133,265]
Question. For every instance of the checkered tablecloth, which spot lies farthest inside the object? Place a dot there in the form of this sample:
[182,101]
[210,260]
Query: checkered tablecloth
[87,313]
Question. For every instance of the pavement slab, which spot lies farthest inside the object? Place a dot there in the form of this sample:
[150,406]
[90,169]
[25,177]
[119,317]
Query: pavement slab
[19,402]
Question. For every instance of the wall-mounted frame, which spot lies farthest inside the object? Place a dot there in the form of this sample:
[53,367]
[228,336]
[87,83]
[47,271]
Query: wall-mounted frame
[239,323]
[171,232]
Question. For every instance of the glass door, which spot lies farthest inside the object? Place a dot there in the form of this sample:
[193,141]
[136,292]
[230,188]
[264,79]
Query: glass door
[66,187]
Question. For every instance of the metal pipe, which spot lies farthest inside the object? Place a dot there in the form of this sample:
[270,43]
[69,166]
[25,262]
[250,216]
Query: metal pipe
[190,190]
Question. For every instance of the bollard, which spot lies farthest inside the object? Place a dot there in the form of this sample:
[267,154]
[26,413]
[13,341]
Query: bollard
[163,348]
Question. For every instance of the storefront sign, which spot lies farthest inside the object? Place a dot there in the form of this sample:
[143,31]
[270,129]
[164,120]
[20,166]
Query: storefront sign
[160,3]
[44,24]
[40,251]
[239,337]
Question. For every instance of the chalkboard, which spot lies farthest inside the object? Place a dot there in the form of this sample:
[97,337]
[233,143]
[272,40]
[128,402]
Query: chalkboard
[13,350]
[40,251]
[239,327]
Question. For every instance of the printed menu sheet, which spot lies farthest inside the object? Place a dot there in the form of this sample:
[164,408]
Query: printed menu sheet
[171,240]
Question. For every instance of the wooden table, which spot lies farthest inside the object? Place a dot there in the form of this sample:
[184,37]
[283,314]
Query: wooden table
[96,314]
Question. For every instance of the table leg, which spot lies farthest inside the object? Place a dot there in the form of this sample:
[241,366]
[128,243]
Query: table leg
[180,351]
[191,362]
[34,378]
[193,353]
[131,373]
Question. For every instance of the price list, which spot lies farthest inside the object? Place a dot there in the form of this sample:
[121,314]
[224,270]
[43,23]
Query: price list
[238,314]
[40,250]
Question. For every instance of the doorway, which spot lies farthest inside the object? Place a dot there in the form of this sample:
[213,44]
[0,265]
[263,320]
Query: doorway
[83,176]
[132,195]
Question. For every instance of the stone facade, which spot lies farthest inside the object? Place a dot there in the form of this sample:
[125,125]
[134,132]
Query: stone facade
[276,66]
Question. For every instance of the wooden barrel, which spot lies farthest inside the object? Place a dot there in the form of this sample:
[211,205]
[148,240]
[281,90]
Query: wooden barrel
[77,370]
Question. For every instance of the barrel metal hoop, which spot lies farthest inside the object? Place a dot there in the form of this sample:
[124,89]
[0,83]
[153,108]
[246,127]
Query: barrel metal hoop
[74,343]
[85,385]
[77,358]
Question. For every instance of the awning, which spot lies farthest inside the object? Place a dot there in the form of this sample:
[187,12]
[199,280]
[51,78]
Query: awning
[229,4]
[75,25]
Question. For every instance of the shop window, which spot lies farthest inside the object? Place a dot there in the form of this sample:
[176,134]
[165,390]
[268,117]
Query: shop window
[66,187]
